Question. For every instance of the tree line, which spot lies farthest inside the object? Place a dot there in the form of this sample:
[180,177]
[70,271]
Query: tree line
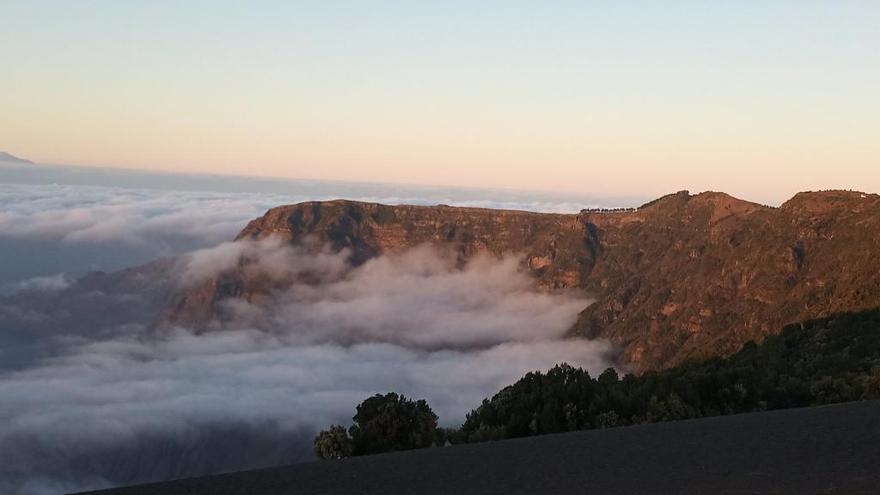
[823,361]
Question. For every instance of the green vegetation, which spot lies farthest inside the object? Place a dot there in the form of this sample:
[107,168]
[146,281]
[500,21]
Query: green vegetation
[823,361]
[820,362]
[333,443]
[382,423]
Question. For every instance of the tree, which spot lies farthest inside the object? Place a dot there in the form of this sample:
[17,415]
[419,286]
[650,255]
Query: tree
[385,423]
[821,361]
[333,443]
[872,384]
[672,408]
[607,419]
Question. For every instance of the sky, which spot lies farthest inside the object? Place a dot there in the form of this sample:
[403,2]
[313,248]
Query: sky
[759,99]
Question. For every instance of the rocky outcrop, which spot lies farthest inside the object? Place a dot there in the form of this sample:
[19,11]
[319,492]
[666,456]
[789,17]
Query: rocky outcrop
[694,276]
[557,249]
[684,276]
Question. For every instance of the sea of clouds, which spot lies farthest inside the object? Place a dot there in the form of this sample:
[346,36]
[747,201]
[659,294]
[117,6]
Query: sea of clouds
[65,230]
[117,401]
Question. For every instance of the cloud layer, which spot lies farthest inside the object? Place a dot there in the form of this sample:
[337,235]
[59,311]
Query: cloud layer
[420,298]
[416,323]
[93,396]
[46,229]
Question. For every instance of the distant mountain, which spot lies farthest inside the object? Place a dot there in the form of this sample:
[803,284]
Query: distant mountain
[7,158]
[683,277]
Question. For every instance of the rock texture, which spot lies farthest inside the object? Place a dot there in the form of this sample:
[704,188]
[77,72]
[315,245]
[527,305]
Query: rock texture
[685,276]
[555,248]
[694,276]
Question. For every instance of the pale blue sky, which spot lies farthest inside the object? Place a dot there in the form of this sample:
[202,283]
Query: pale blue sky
[758,98]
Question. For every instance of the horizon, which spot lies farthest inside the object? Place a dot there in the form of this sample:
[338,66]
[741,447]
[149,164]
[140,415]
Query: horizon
[630,201]
[760,101]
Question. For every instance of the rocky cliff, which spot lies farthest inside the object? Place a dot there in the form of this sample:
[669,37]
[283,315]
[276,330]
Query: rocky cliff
[681,277]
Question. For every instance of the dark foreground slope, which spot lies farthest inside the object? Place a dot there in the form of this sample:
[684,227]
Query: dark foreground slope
[831,449]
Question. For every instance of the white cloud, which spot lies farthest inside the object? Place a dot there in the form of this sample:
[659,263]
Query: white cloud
[99,214]
[78,215]
[58,281]
[49,228]
[414,322]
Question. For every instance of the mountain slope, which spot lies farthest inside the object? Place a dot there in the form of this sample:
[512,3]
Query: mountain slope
[702,275]
[7,158]
[817,362]
[684,276]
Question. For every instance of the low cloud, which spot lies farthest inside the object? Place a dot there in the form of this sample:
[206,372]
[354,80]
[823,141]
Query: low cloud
[420,298]
[91,215]
[415,322]
[48,283]
[49,226]
[92,395]
[46,229]
[270,258]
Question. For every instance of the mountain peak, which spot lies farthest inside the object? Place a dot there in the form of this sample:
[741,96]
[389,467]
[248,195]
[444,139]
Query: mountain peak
[8,158]
[721,204]
[830,201]
[680,197]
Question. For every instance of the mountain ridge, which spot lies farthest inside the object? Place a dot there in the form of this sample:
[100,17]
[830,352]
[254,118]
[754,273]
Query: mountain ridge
[685,276]
[9,158]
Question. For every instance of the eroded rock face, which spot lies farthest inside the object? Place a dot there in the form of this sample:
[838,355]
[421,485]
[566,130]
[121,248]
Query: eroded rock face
[556,249]
[695,276]
[555,243]
[682,277]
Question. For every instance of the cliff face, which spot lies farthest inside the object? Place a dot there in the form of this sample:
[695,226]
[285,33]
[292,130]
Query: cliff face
[557,249]
[684,276]
[693,276]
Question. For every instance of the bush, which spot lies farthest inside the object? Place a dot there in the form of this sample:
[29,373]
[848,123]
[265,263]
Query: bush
[390,422]
[333,443]
[383,423]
